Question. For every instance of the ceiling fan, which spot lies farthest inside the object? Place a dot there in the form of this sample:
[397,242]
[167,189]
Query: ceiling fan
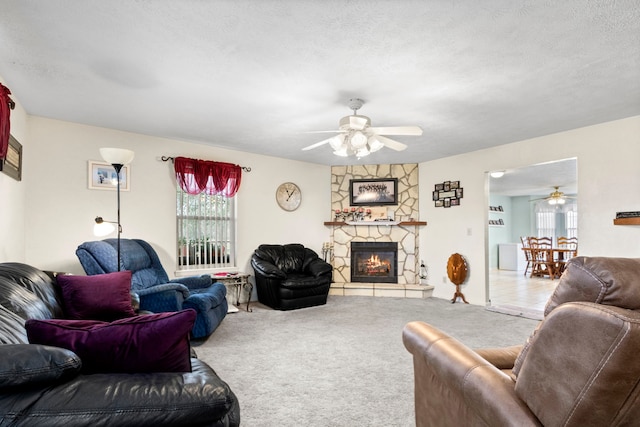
[357,136]
[556,197]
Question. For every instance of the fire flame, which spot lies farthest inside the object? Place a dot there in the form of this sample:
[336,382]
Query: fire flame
[374,264]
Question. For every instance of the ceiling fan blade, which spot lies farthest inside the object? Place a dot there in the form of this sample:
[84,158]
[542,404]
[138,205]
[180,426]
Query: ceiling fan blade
[318,144]
[397,130]
[388,142]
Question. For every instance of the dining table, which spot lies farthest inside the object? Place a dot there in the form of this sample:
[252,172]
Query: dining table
[554,259]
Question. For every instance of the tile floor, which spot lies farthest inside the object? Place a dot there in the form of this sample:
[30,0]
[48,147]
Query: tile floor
[513,292]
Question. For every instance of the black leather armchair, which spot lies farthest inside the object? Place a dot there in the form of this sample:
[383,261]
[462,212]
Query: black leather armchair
[290,276]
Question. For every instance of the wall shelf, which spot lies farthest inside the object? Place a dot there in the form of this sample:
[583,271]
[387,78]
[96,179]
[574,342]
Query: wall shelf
[627,221]
[375,223]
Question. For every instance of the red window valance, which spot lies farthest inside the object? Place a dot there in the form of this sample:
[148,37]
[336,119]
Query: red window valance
[5,112]
[197,176]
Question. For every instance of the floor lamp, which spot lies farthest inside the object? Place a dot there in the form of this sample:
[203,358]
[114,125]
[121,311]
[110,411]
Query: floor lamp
[118,157]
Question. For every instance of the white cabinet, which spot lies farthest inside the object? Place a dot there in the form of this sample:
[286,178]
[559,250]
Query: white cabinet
[511,256]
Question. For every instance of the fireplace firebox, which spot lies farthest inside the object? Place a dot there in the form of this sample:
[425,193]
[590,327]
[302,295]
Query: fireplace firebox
[374,262]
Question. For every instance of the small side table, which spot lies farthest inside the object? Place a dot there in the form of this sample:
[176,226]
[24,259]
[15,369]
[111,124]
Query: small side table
[239,281]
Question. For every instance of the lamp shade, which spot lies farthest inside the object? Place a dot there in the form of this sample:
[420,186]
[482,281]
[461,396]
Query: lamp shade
[103,228]
[337,142]
[358,140]
[117,156]
[374,144]
[342,152]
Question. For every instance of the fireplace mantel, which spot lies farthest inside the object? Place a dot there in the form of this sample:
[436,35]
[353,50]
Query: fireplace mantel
[374,223]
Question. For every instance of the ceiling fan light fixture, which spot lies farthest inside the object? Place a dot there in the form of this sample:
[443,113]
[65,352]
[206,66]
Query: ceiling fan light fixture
[337,142]
[342,152]
[374,144]
[358,140]
[357,136]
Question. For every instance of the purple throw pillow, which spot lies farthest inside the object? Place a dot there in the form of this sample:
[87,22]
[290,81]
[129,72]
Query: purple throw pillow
[147,343]
[101,297]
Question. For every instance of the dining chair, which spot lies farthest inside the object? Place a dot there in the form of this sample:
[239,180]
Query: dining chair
[542,257]
[569,243]
[571,246]
[526,248]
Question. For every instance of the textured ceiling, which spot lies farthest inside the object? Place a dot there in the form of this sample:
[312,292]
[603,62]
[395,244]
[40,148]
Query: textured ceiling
[538,180]
[255,75]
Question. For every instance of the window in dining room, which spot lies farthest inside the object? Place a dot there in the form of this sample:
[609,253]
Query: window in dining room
[571,221]
[554,221]
[545,223]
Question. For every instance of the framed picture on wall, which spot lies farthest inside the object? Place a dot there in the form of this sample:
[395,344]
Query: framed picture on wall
[373,192]
[102,176]
[446,194]
[12,163]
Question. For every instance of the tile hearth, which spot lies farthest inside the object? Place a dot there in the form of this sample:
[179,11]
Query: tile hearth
[381,290]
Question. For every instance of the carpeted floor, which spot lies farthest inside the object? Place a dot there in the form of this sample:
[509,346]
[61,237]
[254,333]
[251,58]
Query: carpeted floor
[341,364]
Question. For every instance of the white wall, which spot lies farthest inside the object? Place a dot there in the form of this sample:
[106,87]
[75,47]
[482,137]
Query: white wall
[608,180]
[51,211]
[13,193]
[522,218]
[61,208]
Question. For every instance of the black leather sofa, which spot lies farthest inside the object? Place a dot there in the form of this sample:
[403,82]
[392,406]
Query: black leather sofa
[290,276]
[43,385]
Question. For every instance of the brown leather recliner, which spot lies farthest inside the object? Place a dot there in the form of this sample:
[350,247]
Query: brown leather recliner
[580,367]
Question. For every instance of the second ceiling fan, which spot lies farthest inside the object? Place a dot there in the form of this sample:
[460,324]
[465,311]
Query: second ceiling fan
[356,136]
[556,197]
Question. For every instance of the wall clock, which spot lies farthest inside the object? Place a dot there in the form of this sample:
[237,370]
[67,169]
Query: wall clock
[288,196]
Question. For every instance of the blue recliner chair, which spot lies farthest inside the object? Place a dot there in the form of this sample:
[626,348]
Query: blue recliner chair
[152,285]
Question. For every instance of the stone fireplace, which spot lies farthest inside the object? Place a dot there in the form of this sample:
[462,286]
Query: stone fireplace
[374,262]
[402,231]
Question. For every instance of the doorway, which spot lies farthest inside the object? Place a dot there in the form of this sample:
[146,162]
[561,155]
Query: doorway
[519,205]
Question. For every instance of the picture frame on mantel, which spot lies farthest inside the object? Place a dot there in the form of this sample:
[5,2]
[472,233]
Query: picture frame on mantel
[103,176]
[373,192]
[12,163]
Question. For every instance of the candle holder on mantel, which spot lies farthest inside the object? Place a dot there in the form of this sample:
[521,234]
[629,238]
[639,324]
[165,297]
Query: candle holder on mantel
[352,215]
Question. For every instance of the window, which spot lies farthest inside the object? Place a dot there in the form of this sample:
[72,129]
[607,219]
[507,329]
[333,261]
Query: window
[571,220]
[205,213]
[552,221]
[545,216]
[206,227]
[546,224]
